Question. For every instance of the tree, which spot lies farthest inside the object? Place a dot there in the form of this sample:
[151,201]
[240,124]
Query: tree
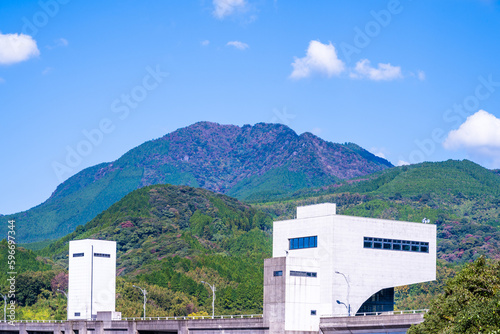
[470,303]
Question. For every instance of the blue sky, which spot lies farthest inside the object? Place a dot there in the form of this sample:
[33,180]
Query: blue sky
[83,82]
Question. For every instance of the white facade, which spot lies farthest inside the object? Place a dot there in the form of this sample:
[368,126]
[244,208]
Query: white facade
[92,278]
[339,246]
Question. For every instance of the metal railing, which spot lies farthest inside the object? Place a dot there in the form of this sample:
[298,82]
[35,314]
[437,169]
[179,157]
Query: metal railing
[362,314]
[197,317]
[36,321]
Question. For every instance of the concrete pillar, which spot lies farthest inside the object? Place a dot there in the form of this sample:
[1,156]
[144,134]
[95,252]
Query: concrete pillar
[183,327]
[22,328]
[68,327]
[132,327]
[99,327]
[58,328]
[82,327]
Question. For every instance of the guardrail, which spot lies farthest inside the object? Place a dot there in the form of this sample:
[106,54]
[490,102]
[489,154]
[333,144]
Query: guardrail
[35,321]
[198,317]
[362,314]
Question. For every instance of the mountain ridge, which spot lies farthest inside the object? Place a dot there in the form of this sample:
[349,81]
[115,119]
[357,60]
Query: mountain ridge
[269,159]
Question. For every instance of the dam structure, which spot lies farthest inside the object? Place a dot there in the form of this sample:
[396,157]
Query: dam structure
[329,274]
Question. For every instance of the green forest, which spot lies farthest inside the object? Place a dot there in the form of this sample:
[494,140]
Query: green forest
[170,238]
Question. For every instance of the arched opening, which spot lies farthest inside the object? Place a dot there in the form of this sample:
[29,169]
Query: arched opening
[382,301]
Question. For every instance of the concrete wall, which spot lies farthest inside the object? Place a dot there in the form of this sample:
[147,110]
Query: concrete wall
[91,284]
[397,323]
[274,294]
[302,295]
[368,324]
[227,326]
[289,300]
[340,248]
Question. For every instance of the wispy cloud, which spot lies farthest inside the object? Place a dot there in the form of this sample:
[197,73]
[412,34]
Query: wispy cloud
[421,75]
[2,80]
[47,70]
[58,43]
[479,135]
[223,8]
[363,70]
[205,42]
[379,152]
[15,48]
[320,58]
[239,45]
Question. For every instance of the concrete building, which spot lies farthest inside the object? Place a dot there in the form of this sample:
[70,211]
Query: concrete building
[92,278]
[327,264]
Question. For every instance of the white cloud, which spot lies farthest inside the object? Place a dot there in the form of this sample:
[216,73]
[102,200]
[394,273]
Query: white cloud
[402,163]
[223,8]
[481,129]
[382,72]
[2,80]
[320,58]
[239,45]
[205,42]
[15,48]
[479,135]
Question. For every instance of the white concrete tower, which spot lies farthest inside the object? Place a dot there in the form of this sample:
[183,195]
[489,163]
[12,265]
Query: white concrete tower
[328,264]
[92,278]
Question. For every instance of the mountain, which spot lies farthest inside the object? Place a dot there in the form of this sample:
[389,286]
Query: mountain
[249,162]
[169,238]
[460,197]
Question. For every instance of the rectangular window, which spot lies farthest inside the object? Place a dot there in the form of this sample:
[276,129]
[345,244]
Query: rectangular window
[399,245]
[313,312]
[77,254]
[305,242]
[101,255]
[77,314]
[278,273]
[303,273]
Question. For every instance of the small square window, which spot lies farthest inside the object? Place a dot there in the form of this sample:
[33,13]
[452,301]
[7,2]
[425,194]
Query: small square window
[77,314]
[313,312]
[278,273]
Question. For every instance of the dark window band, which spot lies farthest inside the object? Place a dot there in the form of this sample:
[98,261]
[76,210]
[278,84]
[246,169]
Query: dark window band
[398,245]
[78,254]
[304,242]
[303,273]
[101,255]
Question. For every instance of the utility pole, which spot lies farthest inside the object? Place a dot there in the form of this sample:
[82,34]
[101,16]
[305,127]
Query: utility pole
[4,307]
[213,296]
[348,292]
[144,293]
[64,293]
